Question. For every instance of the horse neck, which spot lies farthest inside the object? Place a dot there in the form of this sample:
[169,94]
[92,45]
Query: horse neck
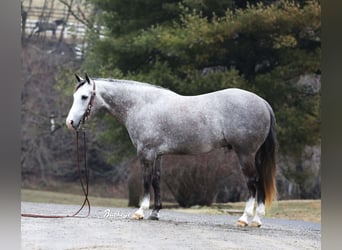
[122,97]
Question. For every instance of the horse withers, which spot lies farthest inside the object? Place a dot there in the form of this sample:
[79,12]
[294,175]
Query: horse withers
[160,121]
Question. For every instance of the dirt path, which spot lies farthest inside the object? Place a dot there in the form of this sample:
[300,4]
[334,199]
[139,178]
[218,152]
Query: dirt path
[112,228]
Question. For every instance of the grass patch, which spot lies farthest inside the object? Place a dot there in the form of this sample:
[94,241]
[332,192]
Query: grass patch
[306,210]
[60,197]
[69,199]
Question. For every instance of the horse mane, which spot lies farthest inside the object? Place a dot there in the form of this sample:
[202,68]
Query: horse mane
[129,82]
[121,81]
[80,84]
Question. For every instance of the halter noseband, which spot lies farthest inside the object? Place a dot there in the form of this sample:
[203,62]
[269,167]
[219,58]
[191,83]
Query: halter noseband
[90,104]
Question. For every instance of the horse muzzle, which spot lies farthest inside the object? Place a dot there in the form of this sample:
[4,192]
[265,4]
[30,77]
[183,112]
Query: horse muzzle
[72,125]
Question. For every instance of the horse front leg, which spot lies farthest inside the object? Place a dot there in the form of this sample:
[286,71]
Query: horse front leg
[156,188]
[145,202]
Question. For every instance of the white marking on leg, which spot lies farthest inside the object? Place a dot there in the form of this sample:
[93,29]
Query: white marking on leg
[249,209]
[145,204]
[260,212]
[243,219]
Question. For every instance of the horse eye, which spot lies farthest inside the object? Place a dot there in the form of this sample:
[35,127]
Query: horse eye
[84,97]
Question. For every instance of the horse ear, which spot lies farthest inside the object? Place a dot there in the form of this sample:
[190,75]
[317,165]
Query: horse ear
[87,78]
[78,78]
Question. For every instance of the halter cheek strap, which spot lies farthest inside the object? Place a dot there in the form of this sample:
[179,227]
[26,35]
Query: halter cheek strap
[90,104]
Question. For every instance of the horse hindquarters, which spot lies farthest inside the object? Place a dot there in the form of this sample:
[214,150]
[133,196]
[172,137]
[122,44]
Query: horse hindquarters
[260,174]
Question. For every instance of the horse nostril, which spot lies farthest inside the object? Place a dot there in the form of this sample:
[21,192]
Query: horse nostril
[70,124]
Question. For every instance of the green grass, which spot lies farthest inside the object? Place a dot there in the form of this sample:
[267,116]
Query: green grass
[70,199]
[306,210]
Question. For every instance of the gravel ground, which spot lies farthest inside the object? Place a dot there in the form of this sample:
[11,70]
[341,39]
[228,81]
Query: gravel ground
[112,228]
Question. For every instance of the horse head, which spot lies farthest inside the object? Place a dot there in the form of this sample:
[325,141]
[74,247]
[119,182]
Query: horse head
[59,22]
[82,104]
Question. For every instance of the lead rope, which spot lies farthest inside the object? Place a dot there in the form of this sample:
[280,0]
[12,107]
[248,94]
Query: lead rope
[84,189]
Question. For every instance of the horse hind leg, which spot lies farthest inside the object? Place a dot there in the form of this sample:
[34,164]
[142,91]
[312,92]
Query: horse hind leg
[249,171]
[54,34]
[156,188]
[145,203]
[259,213]
[260,209]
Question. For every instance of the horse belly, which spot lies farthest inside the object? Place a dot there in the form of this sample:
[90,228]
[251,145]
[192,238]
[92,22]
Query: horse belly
[193,138]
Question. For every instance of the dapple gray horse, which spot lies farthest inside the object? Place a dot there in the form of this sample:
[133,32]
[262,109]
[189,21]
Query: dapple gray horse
[161,122]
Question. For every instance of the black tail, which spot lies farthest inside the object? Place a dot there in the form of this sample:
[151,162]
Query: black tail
[267,171]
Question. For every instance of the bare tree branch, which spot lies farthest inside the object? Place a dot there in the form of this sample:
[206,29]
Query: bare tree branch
[83,19]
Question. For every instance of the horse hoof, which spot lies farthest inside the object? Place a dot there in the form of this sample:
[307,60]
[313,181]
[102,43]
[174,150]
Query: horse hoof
[255,224]
[153,217]
[138,216]
[241,223]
